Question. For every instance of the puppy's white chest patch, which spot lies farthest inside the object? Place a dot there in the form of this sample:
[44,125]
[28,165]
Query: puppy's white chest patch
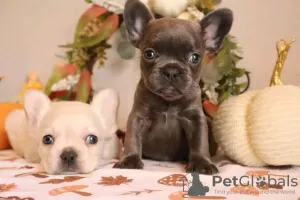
[170,118]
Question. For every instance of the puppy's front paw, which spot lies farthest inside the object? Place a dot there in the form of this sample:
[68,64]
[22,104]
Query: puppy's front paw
[201,166]
[130,162]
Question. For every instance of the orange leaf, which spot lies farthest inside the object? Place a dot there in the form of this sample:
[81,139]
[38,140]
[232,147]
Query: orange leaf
[210,108]
[258,173]
[248,190]
[113,20]
[64,180]
[94,11]
[83,87]
[7,187]
[118,180]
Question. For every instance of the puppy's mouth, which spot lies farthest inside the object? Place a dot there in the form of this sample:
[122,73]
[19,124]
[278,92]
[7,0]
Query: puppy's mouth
[170,93]
[67,169]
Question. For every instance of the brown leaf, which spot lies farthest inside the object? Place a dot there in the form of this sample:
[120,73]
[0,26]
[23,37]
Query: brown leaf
[7,187]
[64,180]
[173,180]
[15,198]
[35,174]
[118,180]
[178,196]
[248,190]
[40,175]
[26,167]
[258,173]
[73,188]
[141,191]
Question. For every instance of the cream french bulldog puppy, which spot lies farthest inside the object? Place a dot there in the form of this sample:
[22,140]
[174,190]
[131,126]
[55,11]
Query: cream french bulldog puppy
[66,136]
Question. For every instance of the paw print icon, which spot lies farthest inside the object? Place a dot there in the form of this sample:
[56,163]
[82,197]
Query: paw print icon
[261,181]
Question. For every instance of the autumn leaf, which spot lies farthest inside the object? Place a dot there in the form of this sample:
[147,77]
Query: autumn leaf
[64,180]
[118,180]
[59,72]
[248,190]
[258,173]
[40,175]
[73,188]
[106,29]
[173,180]
[140,192]
[91,13]
[15,198]
[7,187]
[34,174]
[26,167]
[83,87]
[210,108]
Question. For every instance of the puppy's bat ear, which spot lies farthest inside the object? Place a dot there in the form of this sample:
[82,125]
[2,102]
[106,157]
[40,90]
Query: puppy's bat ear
[215,26]
[36,103]
[105,103]
[136,17]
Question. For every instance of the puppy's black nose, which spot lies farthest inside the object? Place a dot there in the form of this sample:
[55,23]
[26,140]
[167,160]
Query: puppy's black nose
[68,156]
[170,72]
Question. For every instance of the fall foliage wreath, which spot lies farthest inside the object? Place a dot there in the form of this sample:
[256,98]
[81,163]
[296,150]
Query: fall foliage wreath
[103,18]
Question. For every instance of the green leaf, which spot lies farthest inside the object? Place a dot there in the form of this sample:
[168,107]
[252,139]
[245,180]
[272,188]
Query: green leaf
[236,90]
[223,62]
[238,72]
[91,13]
[91,41]
[223,97]
[83,93]
[83,87]
[59,72]
[88,1]
[243,85]
[55,77]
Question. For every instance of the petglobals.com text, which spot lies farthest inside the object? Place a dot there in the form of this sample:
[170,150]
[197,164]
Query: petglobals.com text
[254,180]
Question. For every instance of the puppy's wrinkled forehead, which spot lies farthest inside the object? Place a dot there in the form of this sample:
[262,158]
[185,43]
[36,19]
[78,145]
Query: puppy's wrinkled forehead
[169,34]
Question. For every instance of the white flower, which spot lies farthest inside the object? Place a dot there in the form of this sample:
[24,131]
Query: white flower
[66,83]
[116,6]
[169,8]
[209,90]
[54,87]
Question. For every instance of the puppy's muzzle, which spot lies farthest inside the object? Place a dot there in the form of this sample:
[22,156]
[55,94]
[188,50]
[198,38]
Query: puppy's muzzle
[170,73]
[68,157]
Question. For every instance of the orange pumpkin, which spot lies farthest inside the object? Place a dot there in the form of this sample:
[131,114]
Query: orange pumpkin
[6,108]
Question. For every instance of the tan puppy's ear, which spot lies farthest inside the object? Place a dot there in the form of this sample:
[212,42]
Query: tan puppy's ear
[105,103]
[36,103]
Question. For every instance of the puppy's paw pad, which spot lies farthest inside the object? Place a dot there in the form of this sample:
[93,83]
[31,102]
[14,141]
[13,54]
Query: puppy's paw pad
[130,162]
[202,167]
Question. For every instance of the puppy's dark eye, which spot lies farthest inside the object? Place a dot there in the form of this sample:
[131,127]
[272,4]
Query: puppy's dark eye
[91,139]
[149,54]
[48,139]
[195,58]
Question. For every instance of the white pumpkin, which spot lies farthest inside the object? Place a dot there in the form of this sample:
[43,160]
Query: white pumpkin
[261,128]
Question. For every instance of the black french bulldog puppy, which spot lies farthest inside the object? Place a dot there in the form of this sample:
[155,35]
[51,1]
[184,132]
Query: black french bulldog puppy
[167,122]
